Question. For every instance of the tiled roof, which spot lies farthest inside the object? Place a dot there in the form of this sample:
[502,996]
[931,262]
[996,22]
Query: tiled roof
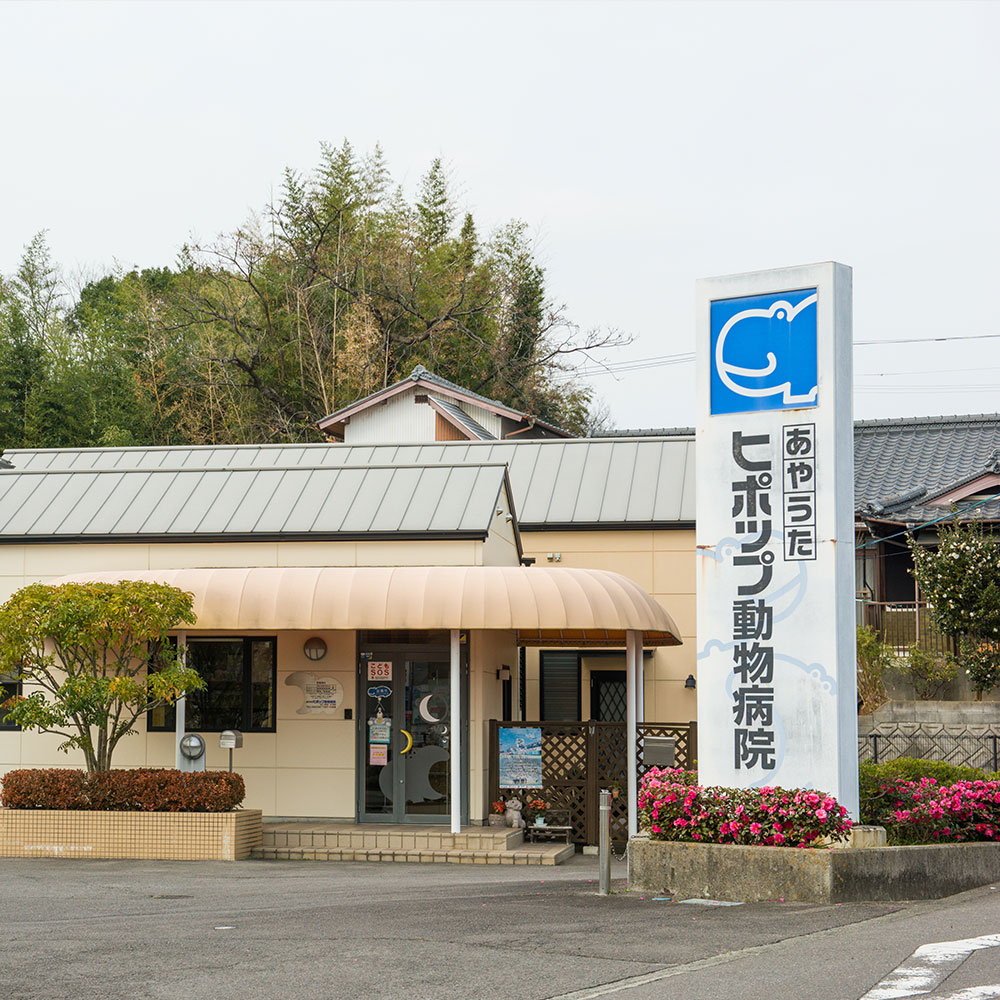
[893,459]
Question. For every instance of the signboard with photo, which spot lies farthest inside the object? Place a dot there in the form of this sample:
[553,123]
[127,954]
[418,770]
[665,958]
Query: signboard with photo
[520,757]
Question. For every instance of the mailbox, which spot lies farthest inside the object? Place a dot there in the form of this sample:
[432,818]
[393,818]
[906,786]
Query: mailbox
[658,751]
[230,739]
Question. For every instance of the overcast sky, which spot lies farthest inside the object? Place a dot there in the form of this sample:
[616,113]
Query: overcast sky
[646,145]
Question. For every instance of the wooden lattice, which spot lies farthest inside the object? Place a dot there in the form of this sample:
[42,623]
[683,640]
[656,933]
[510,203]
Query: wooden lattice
[581,758]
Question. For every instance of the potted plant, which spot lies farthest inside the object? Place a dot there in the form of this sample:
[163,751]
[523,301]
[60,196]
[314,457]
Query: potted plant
[536,809]
[498,810]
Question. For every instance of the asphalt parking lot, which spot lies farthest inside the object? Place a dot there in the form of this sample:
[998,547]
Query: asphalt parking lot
[254,929]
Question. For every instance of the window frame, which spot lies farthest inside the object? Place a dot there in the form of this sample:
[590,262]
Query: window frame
[8,689]
[247,686]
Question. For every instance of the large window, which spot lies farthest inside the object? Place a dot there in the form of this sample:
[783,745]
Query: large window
[241,679]
[8,688]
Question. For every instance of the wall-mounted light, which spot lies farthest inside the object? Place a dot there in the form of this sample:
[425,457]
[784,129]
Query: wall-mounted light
[314,648]
[689,683]
[503,673]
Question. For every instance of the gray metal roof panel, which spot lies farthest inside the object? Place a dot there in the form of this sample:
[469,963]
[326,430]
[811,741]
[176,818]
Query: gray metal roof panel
[552,480]
[475,428]
[247,502]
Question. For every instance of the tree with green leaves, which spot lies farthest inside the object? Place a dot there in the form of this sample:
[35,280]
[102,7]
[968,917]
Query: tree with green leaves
[92,658]
[960,581]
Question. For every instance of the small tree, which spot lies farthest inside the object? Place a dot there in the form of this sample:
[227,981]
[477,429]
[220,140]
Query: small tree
[97,657]
[874,658]
[960,581]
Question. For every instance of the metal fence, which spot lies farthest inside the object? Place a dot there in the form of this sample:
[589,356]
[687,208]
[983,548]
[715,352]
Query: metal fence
[962,749]
[902,624]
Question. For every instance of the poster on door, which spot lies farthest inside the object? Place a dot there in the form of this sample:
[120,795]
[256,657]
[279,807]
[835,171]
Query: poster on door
[380,670]
[378,753]
[520,757]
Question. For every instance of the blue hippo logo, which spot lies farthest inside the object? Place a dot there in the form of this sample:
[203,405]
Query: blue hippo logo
[764,352]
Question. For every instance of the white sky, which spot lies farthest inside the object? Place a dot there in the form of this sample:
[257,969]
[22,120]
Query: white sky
[646,145]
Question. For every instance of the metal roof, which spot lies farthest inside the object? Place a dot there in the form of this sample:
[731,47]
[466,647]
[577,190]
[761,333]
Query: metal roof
[582,482]
[459,415]
[176,501]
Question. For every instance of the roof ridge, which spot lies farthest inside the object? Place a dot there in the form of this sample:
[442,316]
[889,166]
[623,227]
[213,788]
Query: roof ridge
[947,418]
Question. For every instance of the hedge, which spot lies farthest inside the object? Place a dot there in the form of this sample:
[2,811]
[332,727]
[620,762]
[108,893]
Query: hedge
[137,789]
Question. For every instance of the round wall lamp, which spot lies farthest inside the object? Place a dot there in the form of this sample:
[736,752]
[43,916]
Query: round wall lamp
[689,683]
[314,648]
[192,746]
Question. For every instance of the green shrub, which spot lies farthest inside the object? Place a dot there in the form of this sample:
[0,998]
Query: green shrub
[929,673]
[875,808]
[874,658]
[138,789]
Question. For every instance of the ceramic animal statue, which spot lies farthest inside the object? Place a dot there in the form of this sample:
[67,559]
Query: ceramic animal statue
[513,815]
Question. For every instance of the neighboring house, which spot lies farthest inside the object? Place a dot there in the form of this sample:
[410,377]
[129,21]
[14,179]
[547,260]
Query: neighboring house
[426,407]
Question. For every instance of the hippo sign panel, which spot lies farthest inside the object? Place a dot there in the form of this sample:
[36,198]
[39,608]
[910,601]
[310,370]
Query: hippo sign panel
[775,531]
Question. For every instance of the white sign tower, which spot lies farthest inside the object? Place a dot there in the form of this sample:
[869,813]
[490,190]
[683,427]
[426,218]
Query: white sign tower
[777,701]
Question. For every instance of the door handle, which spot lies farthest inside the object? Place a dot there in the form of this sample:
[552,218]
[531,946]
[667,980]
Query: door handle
[409,742]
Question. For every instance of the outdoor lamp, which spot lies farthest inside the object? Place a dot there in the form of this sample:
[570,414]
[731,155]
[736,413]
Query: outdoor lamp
[192,746]
[314,648]
[689,683]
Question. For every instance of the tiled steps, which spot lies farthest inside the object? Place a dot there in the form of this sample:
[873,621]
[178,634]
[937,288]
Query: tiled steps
[291,841]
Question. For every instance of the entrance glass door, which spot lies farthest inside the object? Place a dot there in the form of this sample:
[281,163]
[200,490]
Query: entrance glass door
[405,734]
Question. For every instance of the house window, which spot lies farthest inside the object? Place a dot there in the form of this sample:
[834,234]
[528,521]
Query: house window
[8,688]
[559,690]
[241,678]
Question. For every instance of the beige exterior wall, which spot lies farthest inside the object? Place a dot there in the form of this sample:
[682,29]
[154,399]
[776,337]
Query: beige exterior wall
[488,652]
[24,564]
[664,563]
[307,768]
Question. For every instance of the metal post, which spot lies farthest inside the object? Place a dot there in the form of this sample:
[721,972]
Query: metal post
[180,706]
[874,748]
[995,764]
[632,647]
[230,760]
[455,782]
[604,842]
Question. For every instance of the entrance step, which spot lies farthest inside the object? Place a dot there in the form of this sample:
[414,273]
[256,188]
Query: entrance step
[475,845]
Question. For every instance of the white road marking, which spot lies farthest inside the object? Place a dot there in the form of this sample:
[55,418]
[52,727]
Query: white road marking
[929,966]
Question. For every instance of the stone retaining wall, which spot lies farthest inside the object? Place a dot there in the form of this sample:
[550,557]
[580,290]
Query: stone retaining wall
[164,836]
[838,875]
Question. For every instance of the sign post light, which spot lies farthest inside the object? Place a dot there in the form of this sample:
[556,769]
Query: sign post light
[775,531]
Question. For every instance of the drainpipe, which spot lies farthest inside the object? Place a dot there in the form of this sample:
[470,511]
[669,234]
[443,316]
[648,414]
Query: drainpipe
[633,645]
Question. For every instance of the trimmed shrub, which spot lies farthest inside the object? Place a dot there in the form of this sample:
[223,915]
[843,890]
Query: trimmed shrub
[49,788]
[138,789]
[673,806]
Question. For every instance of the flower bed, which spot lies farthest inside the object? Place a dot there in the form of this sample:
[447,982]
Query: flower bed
[926,812]
[139,813]
[673,806]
